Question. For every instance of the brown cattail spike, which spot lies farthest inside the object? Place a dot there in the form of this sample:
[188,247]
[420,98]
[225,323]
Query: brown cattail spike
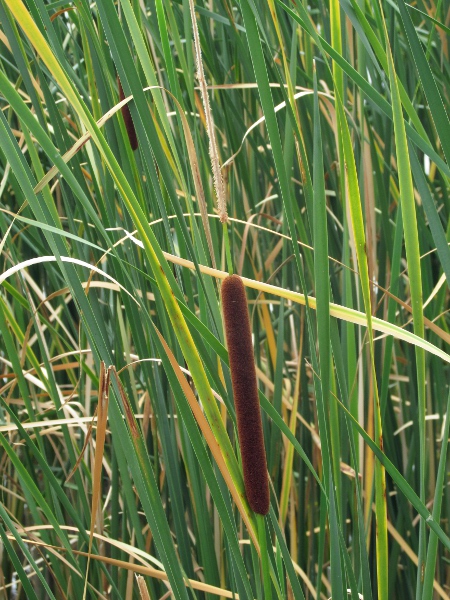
[245,390]
[127,118]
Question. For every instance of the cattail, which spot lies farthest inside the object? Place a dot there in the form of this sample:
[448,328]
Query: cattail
[245,390]
[127,118]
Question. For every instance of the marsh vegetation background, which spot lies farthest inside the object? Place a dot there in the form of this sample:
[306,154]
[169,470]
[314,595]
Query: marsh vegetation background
[321,128]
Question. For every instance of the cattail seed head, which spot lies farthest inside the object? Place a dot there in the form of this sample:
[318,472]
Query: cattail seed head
[245,390]
[127,118]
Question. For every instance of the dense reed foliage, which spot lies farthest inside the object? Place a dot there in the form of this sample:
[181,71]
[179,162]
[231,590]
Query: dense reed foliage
[323,128]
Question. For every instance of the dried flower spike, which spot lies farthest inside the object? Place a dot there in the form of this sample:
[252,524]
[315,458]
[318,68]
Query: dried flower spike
[127,118]
[245,390]
[213,151]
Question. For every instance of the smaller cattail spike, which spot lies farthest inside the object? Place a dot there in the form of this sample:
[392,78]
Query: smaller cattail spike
[127,118]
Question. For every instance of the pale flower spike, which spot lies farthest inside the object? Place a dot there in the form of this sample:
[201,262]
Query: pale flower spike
[213,153]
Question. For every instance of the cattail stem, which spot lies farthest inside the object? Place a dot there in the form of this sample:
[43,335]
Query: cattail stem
[245,390]
[265,568]
[226,240]
[129,125]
